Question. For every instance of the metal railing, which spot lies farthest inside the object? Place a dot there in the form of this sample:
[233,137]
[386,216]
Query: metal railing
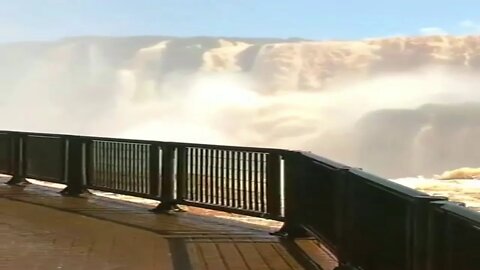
[236,179]
[368,222]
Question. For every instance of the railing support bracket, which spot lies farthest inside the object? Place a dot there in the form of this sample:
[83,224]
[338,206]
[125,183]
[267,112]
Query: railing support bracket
[70,191]
[18,181]
[167,208]
[291,231]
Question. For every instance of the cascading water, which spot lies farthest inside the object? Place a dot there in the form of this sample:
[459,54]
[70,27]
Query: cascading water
[377,123]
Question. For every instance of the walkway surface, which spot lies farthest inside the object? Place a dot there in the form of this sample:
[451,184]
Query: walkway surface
[40,229]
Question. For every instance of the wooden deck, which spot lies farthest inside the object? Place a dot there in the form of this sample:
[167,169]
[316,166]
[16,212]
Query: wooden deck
[40,229]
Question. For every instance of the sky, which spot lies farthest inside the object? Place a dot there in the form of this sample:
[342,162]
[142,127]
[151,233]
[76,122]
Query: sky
[25,20]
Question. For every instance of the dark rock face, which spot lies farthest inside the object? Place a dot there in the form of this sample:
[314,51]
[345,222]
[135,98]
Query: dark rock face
[427,140]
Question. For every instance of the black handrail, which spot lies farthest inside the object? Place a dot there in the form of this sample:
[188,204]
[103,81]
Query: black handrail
[368,222]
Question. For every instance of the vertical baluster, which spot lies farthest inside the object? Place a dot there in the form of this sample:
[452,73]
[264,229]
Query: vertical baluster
[98,163]
[129,160]
[125,185]
[206,175]
[190,173]
[244,179]
[238,188]
[135,175]
[117,165]
[114,165]
[212,176]
[201,175]
[233,176]
[138,167]
[142,163]
[109,163]
[228,178]
[197,172]
[255,182]
[219,184]
[146,165]
[131,170]
[262,182]
[105,164]
[141,149]
[101,163]
[142,188]
[93,181]
[136,170]
[250,180]
[124,166]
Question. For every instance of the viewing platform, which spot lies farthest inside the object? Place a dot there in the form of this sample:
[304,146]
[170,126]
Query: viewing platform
[40,229]
[215,207]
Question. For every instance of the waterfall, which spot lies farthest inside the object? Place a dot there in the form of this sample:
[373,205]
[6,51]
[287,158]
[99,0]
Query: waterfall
[112,88]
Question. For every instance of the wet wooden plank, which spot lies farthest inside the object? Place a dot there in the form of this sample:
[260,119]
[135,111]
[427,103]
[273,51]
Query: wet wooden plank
[211,255]
[196,258]
[271,256]
[292,262]
[318,253]
[231,255]
[251,256]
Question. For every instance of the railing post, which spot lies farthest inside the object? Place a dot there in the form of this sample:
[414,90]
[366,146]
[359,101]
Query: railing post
[273,185]
[167,196]
[341,210]
[154,165]
[181,173]
[18,159]
[75,167]
[293,178]
[438,237]
[89,166]
[419,253]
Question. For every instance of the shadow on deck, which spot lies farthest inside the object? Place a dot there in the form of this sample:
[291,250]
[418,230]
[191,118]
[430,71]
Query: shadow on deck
[47,231]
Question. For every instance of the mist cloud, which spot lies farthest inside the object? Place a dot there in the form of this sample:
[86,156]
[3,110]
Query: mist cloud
[62,91]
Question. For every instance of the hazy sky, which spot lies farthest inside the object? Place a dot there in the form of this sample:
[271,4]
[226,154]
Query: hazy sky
[315,19]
